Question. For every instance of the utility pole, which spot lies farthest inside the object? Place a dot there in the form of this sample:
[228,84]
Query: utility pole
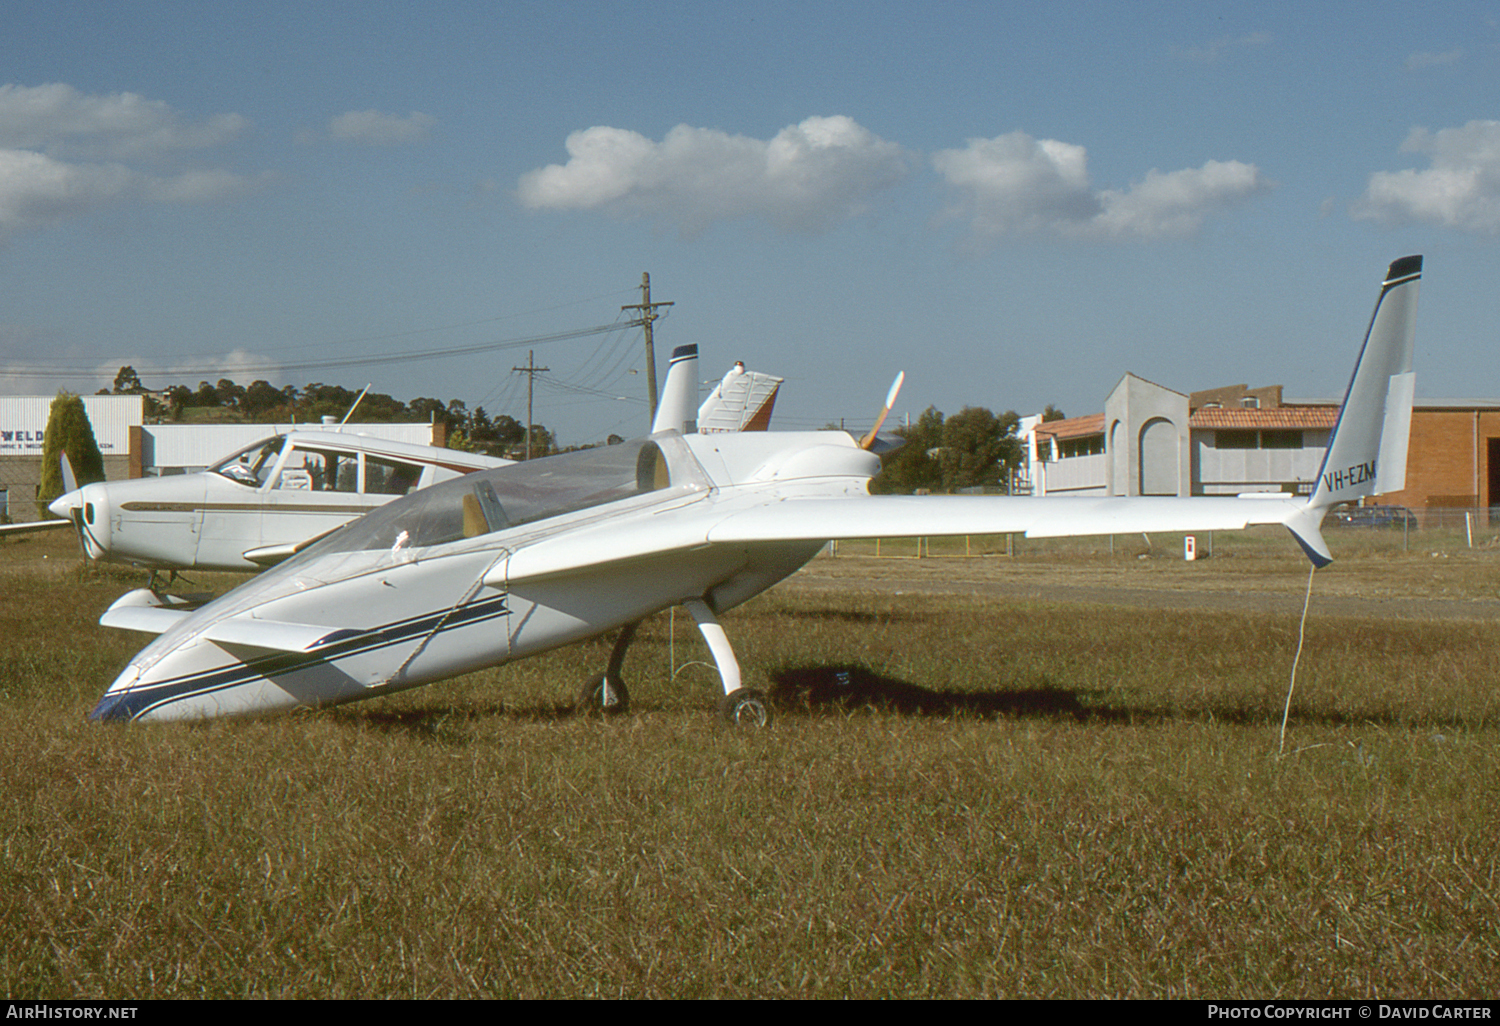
[531,370]
[648,314]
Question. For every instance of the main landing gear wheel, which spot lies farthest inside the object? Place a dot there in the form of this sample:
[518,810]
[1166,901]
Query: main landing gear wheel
[604,697]
[745,707]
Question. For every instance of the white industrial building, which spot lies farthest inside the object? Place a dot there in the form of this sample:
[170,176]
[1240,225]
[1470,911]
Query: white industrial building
[1152,440]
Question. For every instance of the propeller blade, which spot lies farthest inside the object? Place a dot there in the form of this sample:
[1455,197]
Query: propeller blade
[890,401]
[76,515]
[70,482]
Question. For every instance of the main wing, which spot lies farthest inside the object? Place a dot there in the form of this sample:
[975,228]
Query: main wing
[897,516]
[762,520]
[34,525]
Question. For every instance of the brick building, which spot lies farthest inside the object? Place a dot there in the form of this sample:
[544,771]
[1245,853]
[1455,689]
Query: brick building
[1453,461]
[1152,440]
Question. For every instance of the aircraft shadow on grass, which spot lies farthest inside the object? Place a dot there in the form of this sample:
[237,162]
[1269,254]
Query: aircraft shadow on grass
[850,687]
[847,688]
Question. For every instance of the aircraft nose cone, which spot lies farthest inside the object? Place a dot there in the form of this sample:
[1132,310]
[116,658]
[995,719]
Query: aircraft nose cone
[116,706]
[111,708]
[64,505]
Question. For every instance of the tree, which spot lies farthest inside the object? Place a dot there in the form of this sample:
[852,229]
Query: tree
[178,396]
[914,466]
[127,382]
[543,442]
[1053,413]
[979,449]
[229,394]
[429,410]
[508,430]
[972,448]
[379,408]
[261,398]
[68,431]
[320,400]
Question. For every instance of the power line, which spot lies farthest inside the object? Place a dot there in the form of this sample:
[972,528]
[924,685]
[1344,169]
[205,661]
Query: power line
[38,370]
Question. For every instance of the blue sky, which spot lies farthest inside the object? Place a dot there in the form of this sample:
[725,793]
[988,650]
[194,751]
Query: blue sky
[1014,203]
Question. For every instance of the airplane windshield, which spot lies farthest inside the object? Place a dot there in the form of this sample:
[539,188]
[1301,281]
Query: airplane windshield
[251,464]
[494,500]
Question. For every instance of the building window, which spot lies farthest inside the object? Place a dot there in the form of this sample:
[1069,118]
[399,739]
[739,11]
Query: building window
[1090,446]
[1270,439]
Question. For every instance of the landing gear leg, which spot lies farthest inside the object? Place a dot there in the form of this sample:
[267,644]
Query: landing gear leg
[740,706]
[607,695]
[151,582]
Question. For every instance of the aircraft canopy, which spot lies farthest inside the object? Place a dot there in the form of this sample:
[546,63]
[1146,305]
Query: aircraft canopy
[494,500]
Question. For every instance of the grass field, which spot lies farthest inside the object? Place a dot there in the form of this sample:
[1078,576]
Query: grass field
[961,797]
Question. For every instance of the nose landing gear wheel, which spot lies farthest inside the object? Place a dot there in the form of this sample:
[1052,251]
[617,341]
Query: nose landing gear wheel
[745,707]
[604,697]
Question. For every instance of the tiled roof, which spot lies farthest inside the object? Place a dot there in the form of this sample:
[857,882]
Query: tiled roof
[1073,427]
[1312,417]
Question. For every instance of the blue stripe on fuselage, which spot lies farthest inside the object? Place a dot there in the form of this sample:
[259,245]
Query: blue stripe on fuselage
[136,702]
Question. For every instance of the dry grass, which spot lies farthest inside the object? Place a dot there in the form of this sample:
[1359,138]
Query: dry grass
[961,797]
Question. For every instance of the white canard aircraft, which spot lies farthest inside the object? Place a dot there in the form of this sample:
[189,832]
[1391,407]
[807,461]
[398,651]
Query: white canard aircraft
[256,506]
[508,563]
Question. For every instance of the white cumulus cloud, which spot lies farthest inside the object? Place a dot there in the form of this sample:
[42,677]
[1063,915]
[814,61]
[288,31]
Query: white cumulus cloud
[62,121]
[375,128]
[63,152]
[1016,184]
[1459,189]
[808,178]
[1177,202]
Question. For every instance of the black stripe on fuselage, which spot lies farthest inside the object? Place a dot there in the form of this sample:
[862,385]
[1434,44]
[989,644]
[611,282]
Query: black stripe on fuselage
[339,645]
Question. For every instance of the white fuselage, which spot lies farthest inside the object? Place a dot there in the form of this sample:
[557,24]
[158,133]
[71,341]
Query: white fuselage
[280,492]
[401,616]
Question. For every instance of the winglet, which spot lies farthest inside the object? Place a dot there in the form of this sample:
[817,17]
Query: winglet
[1367,451]
[679,399]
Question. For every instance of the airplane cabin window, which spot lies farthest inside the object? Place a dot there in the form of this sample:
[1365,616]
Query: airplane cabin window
[251,465]
[388,477]
[319,470]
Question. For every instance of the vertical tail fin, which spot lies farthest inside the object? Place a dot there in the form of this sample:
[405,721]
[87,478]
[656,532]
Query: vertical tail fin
[679,395]
[1367,451]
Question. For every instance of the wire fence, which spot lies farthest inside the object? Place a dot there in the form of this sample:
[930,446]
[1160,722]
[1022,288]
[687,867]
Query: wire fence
[18,479]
